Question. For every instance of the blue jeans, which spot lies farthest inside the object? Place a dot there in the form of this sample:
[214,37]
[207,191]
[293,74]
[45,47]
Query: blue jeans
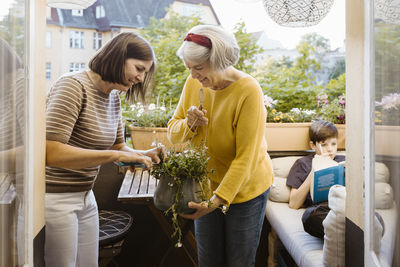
[231,239]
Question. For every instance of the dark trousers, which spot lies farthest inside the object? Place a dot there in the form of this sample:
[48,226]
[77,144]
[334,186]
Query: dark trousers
[313,217]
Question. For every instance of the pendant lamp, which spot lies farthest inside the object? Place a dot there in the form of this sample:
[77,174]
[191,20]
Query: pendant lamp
[70,4]
[247,1]
[297,13]
[388,11]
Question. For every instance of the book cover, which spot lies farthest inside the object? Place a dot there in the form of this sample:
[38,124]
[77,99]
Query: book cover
[324,178]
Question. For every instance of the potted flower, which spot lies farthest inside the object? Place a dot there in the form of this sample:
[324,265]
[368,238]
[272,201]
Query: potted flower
[183,177]
[147,124]
[288,131]
[387,125]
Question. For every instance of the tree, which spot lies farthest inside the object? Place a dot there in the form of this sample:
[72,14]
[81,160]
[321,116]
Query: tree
[248,48]
[294,85]
[166,36]
[387,59]
[12,27]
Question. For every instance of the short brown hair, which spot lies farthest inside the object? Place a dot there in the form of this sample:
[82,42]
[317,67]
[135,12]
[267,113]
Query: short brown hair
[109,61]
[321,130]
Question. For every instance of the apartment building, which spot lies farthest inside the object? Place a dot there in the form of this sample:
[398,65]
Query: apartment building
[73,36]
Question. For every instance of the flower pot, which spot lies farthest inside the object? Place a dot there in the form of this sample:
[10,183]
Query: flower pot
[294,136]
[387,140]
[144,138]
[166,191]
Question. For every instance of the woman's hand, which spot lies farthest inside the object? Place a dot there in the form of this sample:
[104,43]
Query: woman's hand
[203,208]
[157,153]
[128,156]
[196,117]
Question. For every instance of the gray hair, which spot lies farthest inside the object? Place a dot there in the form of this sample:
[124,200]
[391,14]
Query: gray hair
[224,52]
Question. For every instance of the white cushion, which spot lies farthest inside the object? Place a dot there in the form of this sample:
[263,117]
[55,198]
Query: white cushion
[279,191]
[381,173]
[281,166]
[383,196]
[389,217]
[334,228]
[306,250]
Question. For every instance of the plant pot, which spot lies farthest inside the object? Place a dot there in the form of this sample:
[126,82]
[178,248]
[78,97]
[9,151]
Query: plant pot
[294,136]
[144,138]
[166,190]
[387,140]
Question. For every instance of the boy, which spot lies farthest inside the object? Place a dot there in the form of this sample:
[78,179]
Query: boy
[323,140]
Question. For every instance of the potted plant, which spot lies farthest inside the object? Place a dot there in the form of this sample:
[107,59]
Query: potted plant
[288,131]
[147,124]
[183,177]
[387,125]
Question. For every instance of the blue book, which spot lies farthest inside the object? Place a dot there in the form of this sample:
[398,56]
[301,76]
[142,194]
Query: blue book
[324,179]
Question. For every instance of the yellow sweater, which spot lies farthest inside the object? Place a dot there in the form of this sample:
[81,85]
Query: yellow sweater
[235,137]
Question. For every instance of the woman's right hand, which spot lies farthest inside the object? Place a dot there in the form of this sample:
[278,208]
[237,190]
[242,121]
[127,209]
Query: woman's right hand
[196,117]
[125,156]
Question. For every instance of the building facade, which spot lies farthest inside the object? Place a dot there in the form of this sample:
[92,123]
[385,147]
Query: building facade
[73,36]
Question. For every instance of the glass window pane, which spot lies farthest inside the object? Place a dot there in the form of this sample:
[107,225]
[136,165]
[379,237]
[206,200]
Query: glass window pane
[387,131]
[12,133]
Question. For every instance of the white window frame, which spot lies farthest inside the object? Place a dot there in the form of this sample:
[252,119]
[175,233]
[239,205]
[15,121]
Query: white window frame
[75,66]
[97,40]
[48,39]
[48,71]
[100,12]
[370,257]
[77,12]
[76,39]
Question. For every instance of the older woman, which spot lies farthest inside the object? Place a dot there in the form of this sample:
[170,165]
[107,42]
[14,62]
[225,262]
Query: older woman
[84,130]
[224,107]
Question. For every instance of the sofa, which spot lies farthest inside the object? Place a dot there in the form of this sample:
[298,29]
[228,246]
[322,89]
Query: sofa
[305,250]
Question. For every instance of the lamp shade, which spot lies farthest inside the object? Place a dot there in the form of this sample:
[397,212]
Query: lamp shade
[247,1]
[70,4]
[297,13]
[388,11]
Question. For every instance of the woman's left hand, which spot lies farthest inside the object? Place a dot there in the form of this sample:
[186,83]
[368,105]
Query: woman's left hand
[203,208]
[157,153]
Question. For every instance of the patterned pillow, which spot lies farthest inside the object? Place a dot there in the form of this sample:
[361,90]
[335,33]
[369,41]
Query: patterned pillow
[113,226]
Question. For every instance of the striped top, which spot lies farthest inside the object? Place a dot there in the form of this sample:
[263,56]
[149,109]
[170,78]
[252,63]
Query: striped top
[12,110]
[80,115]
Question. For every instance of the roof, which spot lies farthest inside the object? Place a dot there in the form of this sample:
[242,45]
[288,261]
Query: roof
[119,13]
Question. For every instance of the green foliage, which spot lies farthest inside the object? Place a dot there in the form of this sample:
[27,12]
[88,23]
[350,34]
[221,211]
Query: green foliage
[248,48]
[294,115]
[336,87]
[387,58]
[12,28]
[319,43]
[153,115]
[166,35]
[387,110]
[190,164]
[294,85]
[332,110]
[338,69]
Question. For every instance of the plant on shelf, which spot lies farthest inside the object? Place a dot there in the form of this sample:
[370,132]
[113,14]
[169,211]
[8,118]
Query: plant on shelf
[183,177]
[147,125]
[332,110]
[152,115]
[294,115]
[388,110]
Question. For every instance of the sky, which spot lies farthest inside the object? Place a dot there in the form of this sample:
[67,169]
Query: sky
[4,6]
[256,19]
